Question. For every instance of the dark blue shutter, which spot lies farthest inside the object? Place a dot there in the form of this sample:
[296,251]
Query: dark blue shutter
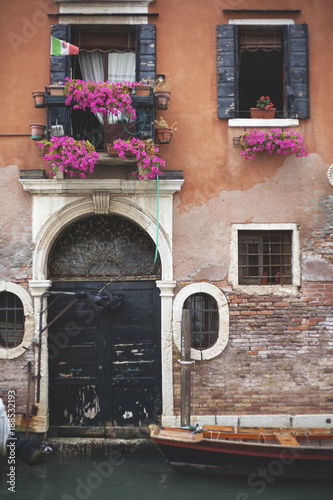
[146,51]
[227,74]
[296,65]
[60,68]
[60,65]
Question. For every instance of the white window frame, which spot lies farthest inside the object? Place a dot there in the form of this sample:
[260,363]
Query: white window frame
[223,311]
[23,295]
[252,122]
[266,289]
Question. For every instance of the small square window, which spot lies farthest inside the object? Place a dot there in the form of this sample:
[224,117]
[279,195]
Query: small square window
[265,255]
[264,258]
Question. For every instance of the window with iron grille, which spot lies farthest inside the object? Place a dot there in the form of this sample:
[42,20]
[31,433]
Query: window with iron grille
[11,320]
[204,320]
[265,257]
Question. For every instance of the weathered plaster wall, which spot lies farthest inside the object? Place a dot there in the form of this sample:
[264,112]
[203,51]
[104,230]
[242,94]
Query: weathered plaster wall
[15,228]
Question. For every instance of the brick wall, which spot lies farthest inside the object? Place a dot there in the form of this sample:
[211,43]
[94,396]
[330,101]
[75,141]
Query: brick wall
[278,358]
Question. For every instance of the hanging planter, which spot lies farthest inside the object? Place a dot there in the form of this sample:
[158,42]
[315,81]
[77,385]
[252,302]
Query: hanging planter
[39,99]
[162,100]
[163,131]
[162,90]
[164,135]
[37,131]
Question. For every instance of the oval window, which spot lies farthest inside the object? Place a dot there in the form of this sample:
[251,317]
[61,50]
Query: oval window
[204,320]
[11,320]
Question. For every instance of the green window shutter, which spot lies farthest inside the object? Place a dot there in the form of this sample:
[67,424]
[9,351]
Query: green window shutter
[146,51]
[296,65]
[227,77]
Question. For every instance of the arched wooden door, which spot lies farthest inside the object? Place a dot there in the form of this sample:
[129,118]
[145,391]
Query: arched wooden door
[105,350]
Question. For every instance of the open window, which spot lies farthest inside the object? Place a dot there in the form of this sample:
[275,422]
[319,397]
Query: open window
[262,60]
[107,52]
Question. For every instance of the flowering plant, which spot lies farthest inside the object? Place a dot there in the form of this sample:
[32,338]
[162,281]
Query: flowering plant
[264,103]
[100,97]
[273,140]
[69,156]
[148,163]
[161,123]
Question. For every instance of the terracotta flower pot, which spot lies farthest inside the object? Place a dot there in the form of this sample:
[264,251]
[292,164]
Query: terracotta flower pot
[39,99]
[262,113]
[56,89]
[162,100]
[37,131]
[142,90]
[164,135]
[111,150]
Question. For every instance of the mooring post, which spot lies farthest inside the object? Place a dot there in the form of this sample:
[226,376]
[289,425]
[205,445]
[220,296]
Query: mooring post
[185,370]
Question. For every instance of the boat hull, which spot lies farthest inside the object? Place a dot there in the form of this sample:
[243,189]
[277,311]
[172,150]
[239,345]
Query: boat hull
[232,456]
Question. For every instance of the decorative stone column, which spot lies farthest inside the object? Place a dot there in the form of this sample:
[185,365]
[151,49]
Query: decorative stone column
[37,288]
[166,287]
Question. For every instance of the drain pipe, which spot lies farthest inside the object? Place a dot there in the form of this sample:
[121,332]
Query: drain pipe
[185,371]
[41,329]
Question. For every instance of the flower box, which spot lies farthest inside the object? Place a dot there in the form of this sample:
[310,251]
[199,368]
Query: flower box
[265,114]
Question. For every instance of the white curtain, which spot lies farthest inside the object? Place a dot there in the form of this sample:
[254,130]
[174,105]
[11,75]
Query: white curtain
[121,68]
[92,68]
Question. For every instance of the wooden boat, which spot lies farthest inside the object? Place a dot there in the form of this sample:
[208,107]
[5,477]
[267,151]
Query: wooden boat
[224,449]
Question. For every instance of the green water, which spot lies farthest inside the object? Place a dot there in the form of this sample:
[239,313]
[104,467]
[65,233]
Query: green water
[138,477]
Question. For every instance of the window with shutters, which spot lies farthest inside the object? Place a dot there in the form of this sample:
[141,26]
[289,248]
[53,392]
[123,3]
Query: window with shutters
[107,53]
[265,256]
[264,59]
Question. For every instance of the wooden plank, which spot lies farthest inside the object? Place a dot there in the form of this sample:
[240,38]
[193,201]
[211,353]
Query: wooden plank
[286,439]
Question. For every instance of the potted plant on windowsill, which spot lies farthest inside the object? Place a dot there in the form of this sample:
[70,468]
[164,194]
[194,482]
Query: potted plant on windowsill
[163,131]
[274,140]
[264,109]
[143,87]
[56,88]
[68,156]
[149,165]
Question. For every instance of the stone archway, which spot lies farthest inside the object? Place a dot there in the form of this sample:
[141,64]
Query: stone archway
[105,356]
[57,204]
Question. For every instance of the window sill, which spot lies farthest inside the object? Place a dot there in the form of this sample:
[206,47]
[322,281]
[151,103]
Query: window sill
[285,290]
[273,123]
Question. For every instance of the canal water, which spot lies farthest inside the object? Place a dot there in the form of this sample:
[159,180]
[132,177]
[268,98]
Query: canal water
[137,477]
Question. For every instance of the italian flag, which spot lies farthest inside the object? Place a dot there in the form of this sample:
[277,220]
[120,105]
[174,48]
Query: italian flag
[61,48]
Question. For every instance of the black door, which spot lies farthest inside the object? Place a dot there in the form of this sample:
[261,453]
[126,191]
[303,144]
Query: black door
[105,364]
